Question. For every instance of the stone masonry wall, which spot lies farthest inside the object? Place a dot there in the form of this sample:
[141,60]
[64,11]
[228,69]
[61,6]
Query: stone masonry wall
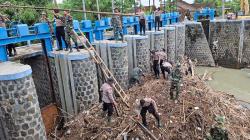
[224,42]
[20,114]
[85,82]
[197,45]
[170,44]
[40,75]
[245,60]
[143,54]
[158,40]
[120,65]
[55,81]
[180,41]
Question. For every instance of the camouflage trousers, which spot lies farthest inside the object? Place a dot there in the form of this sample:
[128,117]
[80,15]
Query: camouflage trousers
[69,34]
[118,32]
[174,87]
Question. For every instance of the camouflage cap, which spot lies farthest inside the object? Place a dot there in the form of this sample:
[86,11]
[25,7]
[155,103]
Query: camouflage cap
[44,13]
[220,119]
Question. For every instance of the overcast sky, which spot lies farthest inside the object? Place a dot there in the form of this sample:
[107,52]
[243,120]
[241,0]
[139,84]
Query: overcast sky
[144,2]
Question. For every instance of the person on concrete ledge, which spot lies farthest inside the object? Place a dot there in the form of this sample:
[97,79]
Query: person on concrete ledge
[108,99]
[69,30]
[147,105]
[136,75]
[157,15]
[117,25]
[45,19]
[11,47]
[60,32]
[142,22]
[176,77]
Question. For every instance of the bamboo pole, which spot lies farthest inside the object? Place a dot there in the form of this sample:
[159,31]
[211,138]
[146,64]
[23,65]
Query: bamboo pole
[61,9]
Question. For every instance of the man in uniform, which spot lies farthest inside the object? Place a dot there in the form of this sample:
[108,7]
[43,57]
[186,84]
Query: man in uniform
[147,105]
[218,131]
[117,25]
[44,19]
[176,78]
[108,98]
[60,32]
[11,47]
[69,30]
[136,76]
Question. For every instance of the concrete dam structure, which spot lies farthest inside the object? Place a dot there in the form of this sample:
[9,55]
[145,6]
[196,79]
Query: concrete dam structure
[71,81]
[229,42]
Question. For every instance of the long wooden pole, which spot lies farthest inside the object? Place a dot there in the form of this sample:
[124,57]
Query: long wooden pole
[98,9]
[84,9]
[44,8]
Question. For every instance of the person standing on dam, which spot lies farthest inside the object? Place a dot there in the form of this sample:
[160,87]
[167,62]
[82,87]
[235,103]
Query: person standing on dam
[69,30]
[60,32]
[157,15]
[142,21]
[108,99]
[117,25]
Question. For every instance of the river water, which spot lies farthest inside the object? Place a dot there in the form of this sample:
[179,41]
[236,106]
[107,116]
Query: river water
[232,81]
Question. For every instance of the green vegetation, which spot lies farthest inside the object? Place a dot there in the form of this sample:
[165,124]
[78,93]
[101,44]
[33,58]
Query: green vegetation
[31,16]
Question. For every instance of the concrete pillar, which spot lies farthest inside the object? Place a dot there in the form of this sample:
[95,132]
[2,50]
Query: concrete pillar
[20,116]
[74,79]
[170,43]
[40,75]
[179,40]
[245,60]
[138,52]
[156,39]
[115,56]
[196,44]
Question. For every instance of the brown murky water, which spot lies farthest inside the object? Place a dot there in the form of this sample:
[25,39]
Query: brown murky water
[232,81]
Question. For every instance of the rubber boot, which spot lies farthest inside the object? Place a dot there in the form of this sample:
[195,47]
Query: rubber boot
[104,113]
[110,120]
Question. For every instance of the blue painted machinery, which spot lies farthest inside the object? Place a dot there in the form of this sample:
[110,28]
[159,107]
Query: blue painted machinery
[86,27]
[23,33]
[100,26]
[204,13]
[150,21]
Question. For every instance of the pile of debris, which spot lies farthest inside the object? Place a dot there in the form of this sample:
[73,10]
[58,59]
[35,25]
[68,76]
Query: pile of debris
[189,119]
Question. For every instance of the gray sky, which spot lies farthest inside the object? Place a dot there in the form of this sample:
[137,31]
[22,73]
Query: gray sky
[144,2]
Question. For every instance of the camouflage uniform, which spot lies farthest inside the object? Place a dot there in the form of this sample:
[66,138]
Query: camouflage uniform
[69,31]
[136,76]
[117,26]
[218,132]
[2,21]
[176,77]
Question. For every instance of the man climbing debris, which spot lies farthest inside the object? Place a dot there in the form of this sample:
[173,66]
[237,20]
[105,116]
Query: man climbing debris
[117,25]
[176,78]
[147,105]
[60,32]
[108,99]
[218,131]
[69,30]
[166,67]
[136,76]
